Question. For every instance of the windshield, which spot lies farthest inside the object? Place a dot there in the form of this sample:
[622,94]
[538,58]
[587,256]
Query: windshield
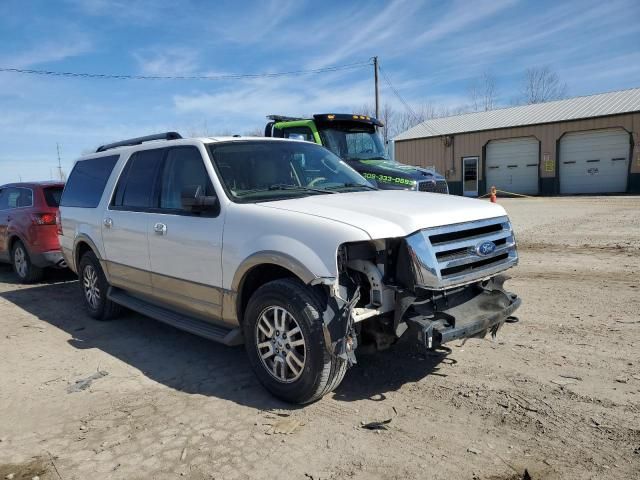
[353,142]
[272,170]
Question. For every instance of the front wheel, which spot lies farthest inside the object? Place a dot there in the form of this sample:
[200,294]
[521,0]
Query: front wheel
[285,342]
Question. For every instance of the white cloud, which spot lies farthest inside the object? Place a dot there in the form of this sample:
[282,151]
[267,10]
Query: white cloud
[171,61]
[365,34]
[252,24]
[129,11]
[52,50]
[462,15]
[253,100]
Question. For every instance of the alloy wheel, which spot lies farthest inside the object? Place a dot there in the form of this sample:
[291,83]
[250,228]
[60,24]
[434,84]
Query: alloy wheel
[20,261]
[91,288]
[281,344]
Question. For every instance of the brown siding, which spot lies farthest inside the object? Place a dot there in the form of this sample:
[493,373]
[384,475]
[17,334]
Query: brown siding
[431,151]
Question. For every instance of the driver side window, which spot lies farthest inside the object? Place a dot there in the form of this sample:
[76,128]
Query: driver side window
[183,169]
[299,133]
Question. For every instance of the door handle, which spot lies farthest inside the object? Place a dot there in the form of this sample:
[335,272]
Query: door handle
[160,228]
[107,222]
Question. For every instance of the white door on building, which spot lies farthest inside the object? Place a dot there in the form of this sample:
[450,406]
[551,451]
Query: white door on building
[512,165]
[595,161]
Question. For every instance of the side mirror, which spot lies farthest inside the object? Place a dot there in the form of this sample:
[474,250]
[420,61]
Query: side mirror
[373,182]
[193,200]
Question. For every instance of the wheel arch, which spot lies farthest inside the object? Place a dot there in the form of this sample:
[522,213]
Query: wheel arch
[82,245]
[262,268]
[13,237]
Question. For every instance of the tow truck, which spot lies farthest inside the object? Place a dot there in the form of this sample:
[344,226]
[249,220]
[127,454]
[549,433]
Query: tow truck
[354,138]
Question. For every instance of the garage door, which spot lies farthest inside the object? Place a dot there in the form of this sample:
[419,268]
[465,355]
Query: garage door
[512,165]
[594,162]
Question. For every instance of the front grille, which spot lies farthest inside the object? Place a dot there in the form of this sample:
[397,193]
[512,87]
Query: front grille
[451,255]
[439,186]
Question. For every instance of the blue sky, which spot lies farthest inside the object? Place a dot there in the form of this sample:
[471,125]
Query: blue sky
[432,51]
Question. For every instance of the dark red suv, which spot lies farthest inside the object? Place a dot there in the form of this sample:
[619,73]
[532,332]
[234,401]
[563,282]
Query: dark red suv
[28,232]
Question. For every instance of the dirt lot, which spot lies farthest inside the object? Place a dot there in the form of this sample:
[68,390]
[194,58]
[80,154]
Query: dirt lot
[557,395]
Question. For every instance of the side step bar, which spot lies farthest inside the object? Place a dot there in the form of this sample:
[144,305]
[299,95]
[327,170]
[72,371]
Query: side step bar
[196,326]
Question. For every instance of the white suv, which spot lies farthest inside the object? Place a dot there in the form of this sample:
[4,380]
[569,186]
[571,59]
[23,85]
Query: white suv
[281,245]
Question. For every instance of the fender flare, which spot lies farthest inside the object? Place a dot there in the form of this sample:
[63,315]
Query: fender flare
[275,258]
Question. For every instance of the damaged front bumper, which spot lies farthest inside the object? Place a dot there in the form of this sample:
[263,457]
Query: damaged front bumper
[470,312]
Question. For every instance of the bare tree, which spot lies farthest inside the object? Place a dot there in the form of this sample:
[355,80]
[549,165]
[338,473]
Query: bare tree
[254,132]
[541,84]
[483,93]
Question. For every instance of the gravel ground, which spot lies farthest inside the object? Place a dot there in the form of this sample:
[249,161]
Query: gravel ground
[556,395]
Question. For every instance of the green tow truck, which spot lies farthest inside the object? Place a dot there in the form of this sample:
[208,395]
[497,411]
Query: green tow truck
[354,139]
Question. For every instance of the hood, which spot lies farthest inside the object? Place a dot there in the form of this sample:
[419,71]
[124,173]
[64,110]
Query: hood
[391,213]
[386,167]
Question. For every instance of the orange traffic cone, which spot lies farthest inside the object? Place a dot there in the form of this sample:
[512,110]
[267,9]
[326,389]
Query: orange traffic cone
[492,197]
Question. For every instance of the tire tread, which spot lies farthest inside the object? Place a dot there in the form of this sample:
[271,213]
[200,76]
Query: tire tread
[333,368]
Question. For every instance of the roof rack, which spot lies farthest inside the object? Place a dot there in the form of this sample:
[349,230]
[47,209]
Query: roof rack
[140,140]
[283,118]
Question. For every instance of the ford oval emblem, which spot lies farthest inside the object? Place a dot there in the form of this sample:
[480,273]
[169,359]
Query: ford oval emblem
[485,248]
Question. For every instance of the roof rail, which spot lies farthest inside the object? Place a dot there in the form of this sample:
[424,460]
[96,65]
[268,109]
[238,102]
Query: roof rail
[140,140]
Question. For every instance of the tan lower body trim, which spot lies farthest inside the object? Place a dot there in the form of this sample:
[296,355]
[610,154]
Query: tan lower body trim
[196,299]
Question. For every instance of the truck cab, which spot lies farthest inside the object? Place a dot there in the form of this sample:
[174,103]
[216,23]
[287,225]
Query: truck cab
[354,138]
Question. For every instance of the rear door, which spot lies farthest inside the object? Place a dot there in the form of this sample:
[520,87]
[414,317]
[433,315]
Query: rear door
[185,247]
[125,222]
[15,218]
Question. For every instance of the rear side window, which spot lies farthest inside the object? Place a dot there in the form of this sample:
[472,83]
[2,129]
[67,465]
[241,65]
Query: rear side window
[136,187]
[86,182]
[52,196]
[16,197]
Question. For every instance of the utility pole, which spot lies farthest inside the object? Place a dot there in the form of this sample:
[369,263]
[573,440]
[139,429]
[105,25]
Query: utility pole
[375,76]
[60,177]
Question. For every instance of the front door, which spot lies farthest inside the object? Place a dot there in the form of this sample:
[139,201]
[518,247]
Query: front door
[470,176]
[185,247]
[124,229]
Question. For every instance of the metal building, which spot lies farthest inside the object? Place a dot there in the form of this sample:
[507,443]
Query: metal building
[580,145]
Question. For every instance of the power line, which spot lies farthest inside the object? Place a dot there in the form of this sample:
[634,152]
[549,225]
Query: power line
[429,129]
[230,76]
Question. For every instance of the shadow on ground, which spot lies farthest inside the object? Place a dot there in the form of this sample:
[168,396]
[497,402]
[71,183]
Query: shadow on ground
[51,275]
[191,364]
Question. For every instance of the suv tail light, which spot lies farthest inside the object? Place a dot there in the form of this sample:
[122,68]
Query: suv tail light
[43,218]
[58,222]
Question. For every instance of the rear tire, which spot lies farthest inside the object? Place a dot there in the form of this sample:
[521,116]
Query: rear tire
[26,271]
[285,342]
[94,289]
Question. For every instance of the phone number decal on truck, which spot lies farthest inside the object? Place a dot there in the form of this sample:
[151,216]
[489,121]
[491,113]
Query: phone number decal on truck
[388,179]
